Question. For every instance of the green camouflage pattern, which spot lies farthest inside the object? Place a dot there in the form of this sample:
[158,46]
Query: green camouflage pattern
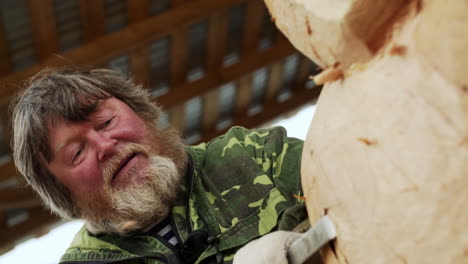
[244,184]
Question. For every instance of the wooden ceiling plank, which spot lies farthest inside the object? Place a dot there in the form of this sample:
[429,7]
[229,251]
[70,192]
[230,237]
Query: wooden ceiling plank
[177,118]
[303,73]
[217,37]
[253,26]
[243,95]
[5,60]
[44,27]
[3,221]
[178,56]
[14,198]
[138,10]
[139,57]
[227,74]
[178,50]
[210,111]
[140,66]
[108,46]
[275,80]
[8,170]
[92,19]
[175,3]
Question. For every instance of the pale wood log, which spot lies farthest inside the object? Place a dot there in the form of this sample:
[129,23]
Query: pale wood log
[335,31]
[386,155]
[444,22]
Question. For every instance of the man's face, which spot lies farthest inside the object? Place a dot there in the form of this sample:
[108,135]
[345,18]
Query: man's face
[113,164]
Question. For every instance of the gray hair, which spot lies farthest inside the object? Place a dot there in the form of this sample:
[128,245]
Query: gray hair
[71,94]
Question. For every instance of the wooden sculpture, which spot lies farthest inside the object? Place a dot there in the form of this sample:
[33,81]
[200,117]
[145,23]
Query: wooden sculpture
[387,151]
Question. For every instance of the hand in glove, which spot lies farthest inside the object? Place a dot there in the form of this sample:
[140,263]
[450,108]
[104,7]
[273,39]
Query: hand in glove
[269,249]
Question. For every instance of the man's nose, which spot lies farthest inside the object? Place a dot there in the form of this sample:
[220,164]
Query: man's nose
[104,144]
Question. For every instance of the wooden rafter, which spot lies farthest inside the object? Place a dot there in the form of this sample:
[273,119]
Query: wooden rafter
[217,37]
[275,79]
[8,170]
[139,57]
[243,94]
[44,27]
[111,45]
[177,117]
[92,19]
[252,26]
[178,57]
[227,74]
[11,198]
[5,62]
[210,111]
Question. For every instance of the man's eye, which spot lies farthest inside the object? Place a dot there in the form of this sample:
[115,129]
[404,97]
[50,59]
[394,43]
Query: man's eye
[105,123]
[77,154]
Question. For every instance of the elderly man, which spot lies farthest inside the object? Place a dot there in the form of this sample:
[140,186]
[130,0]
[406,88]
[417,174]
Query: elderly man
[89,143]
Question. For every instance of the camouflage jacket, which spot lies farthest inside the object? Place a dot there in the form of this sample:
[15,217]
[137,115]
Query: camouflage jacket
[238,187]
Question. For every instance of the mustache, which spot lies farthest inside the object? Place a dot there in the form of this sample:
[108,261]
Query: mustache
[120,157]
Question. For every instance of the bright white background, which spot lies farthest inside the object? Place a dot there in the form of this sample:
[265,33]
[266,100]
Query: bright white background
[48,248]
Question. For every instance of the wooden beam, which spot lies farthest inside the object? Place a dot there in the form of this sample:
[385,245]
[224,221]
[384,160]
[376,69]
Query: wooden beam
[275,79]
[92,19]
[139,58]
[303,72]
[119,42]
[5,60]
[217,37]
[44,27]
[175,3]
[243,95]
[138,10]
[8,170]
[14,198]
[177,118]
[2,220]
[178,57]
[140,66]
[228,74]
[178,49]
[210,111]
[252,26]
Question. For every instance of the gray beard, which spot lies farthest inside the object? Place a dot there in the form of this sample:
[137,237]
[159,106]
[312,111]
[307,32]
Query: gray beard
[138,205]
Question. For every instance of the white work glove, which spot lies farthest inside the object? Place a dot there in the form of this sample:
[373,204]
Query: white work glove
[269,249]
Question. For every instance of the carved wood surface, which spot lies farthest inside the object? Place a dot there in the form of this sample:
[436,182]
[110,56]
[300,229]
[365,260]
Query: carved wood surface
[386,156]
